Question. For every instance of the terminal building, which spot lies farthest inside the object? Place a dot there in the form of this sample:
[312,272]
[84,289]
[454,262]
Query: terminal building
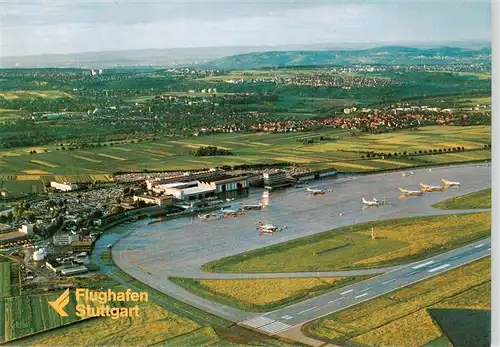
[276,179]
[203,188]
[314,175]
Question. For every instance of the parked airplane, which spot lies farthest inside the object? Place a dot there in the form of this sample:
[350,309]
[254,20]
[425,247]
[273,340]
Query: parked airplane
[265,229]
[232,213]
[251,207]
[317,191]
[427,188]
[450,183]
[207,216]
[407,192]
[373,202]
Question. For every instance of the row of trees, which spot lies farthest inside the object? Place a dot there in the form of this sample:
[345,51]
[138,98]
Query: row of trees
[209,151]
[419,152]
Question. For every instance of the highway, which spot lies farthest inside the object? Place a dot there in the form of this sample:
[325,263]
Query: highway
[154,252]
[284,319]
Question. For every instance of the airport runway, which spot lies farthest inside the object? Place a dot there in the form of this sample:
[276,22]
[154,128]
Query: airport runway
[284,319]
[151,253]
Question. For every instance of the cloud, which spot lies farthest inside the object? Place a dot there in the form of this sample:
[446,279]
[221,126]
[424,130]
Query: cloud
[34,27]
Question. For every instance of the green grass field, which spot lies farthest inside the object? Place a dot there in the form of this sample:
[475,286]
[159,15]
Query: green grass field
[6,114]
[398,241]
[34,94]
[22,187]
[263,295]
[4,279]
[106,258]
[250,148]
[401,318]
[464,327]
[480,199]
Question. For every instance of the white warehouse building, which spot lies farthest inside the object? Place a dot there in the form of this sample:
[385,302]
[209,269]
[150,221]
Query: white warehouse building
[64,187]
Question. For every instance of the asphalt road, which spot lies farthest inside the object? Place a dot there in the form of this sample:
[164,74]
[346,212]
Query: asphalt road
[284,319]
[151,253]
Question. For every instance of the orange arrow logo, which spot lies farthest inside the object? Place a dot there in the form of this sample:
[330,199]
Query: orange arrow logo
[60,303]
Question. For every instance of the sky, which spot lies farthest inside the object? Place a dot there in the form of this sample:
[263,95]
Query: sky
[30,27]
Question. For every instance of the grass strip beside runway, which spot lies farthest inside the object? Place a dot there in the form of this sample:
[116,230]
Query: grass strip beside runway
[479,199]
[398,241]
[262,295]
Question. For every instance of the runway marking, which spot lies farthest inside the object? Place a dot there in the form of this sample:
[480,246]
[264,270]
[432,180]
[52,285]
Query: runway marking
[411,273]
[275,327]
[454,258]
[360,296]
[439,268]
[481,245]
[257,321]
[309,309]
[364,290]
[348,291]
[424,264]
[489,249]
[336,300]
[389,281]
[287,317]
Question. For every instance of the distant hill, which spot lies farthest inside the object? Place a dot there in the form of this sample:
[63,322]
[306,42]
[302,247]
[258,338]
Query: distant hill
[247,56]
[380,55]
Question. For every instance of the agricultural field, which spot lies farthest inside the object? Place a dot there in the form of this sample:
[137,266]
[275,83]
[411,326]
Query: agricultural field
[34,94]
[398,241]
[22,187]
[480,199]
[263,294]
[5,289]
[6,114]
[155,325]
[341,152]
[204,336]
[176,94]
[25,315]
[464,327]
[401,318]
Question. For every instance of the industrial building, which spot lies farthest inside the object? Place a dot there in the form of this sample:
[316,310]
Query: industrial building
[65,240]
[27,229]
[314,175]
[163,200]
[275,179]
[225,184]
[184,177]
[64,187]
[65,268]
[74,270]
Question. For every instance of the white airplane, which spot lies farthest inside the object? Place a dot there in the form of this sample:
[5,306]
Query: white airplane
[267,229]
[316,191]
[407,192]
[450,183]
[373,202]
[427,188]
[206,216]
[231,213]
